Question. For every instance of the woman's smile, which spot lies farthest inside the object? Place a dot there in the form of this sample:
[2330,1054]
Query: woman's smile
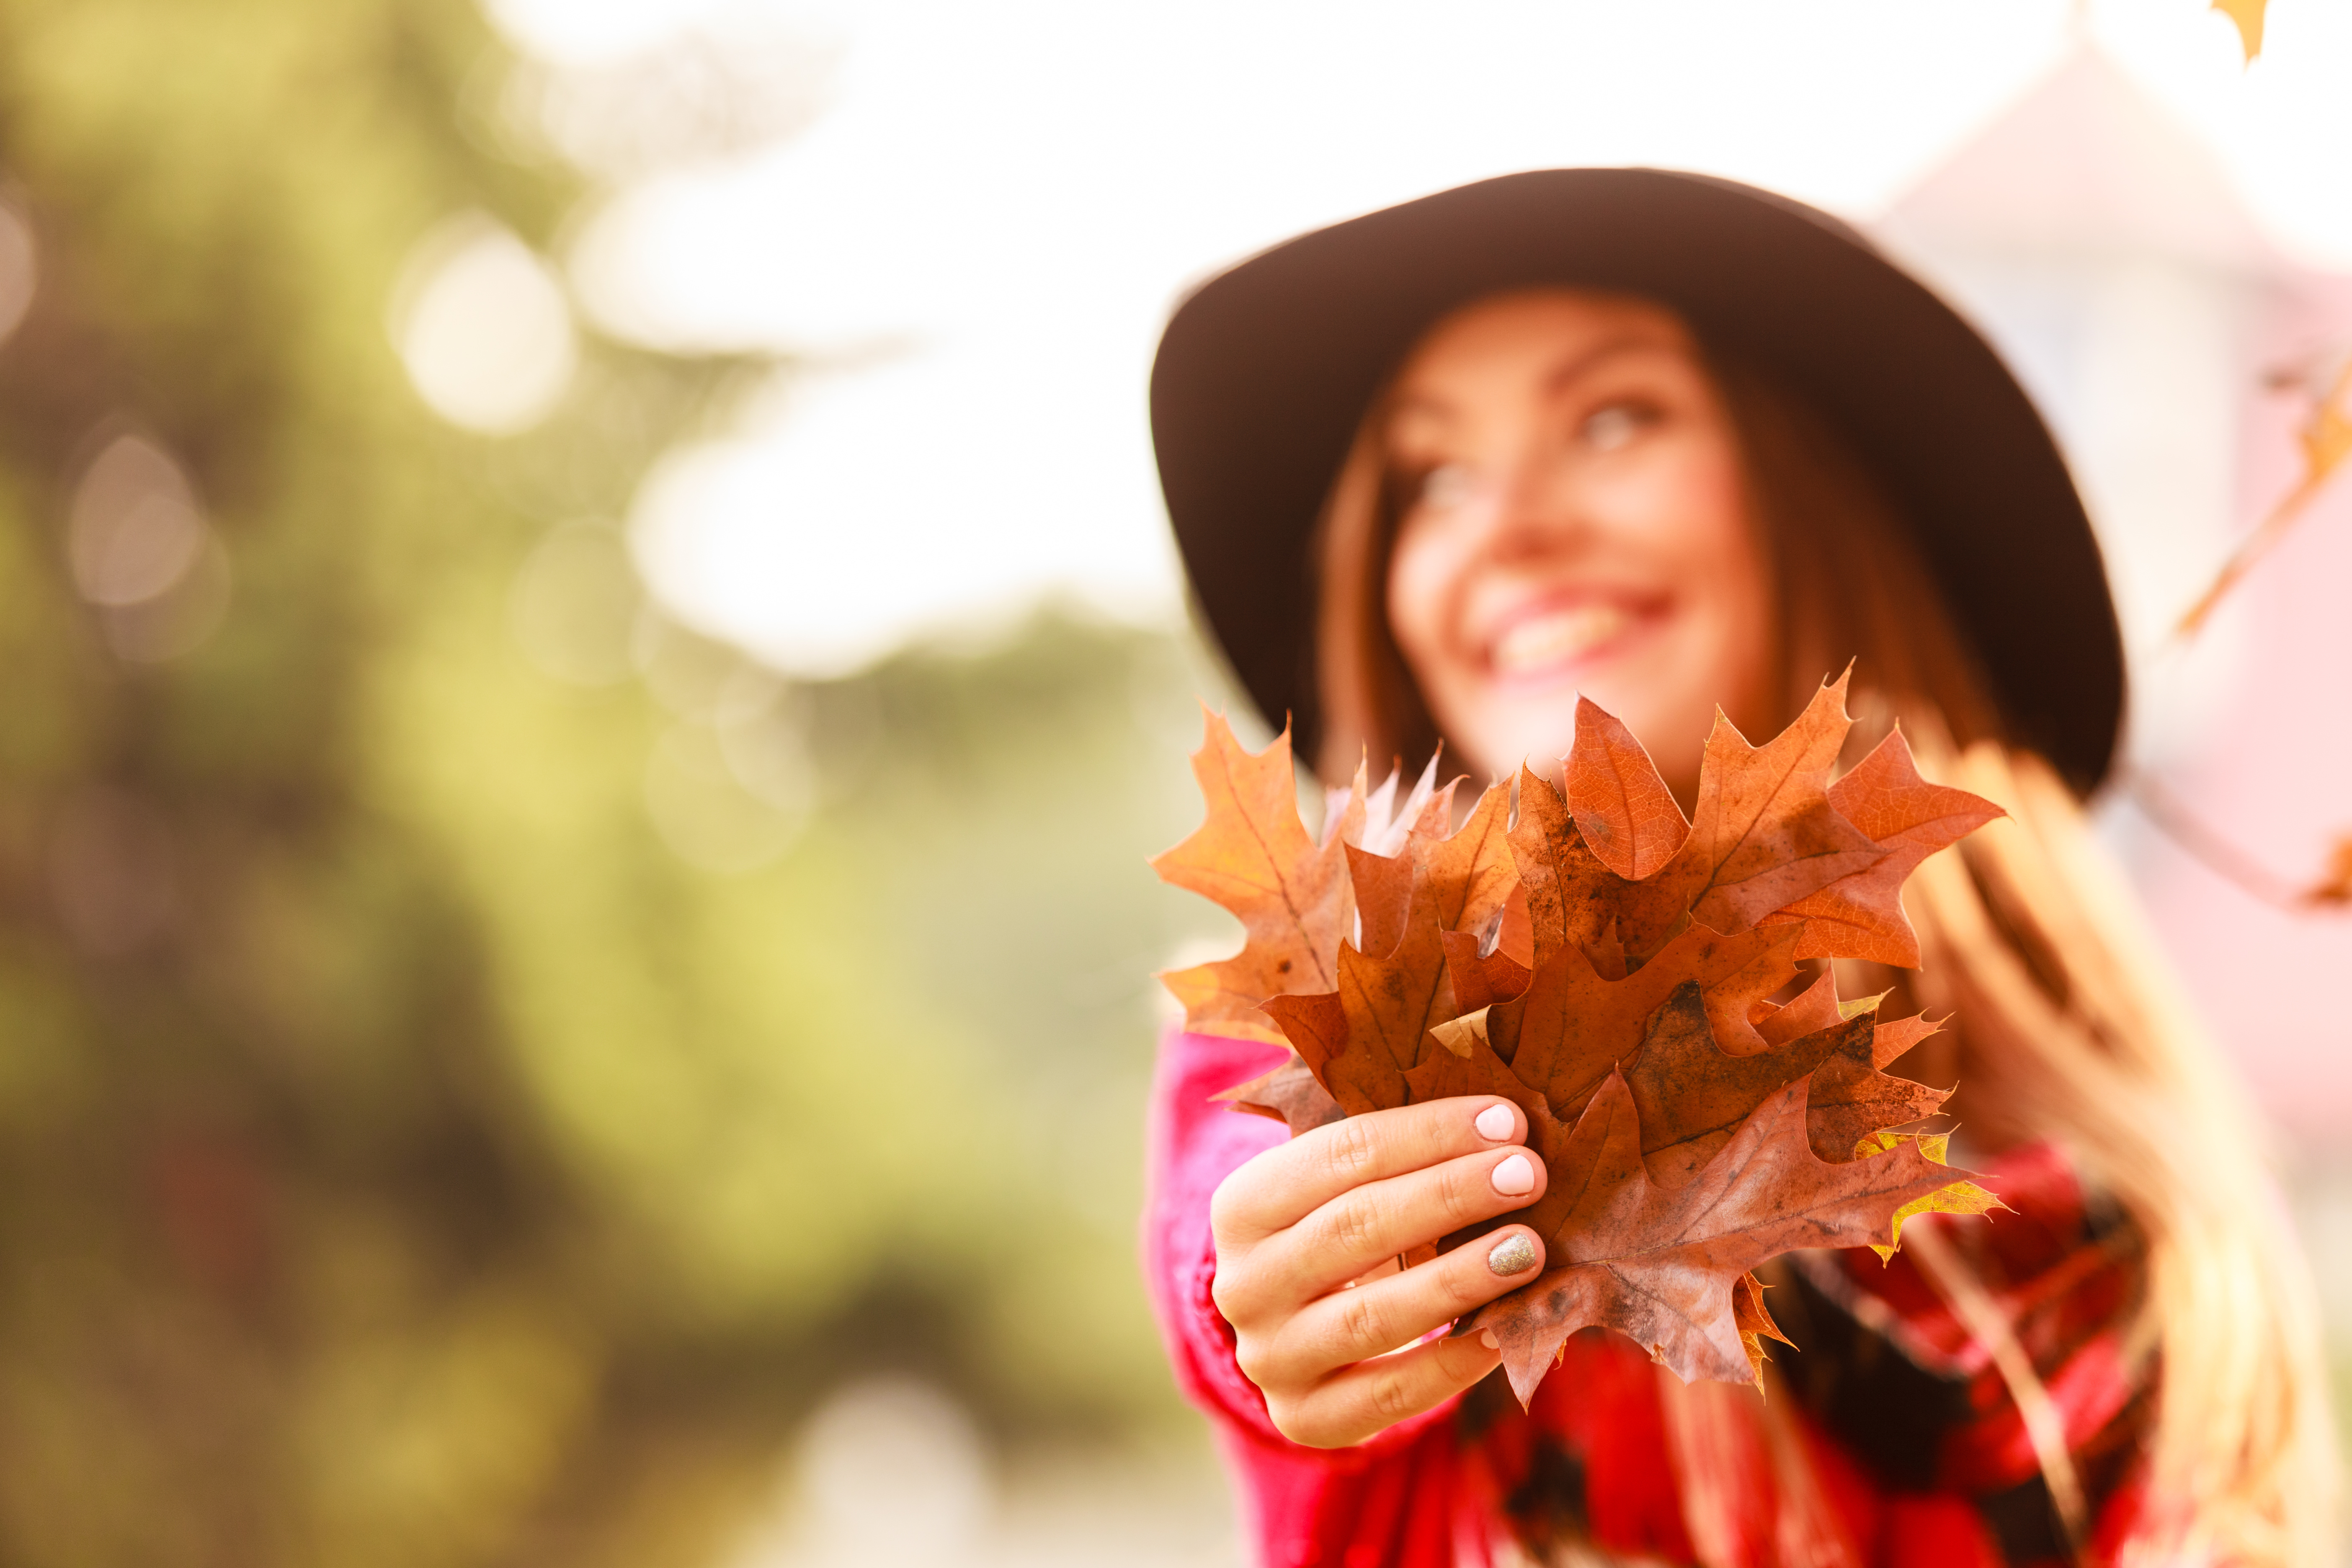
[1560,637]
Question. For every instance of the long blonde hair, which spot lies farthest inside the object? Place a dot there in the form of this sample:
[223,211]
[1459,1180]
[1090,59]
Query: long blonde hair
[2070,1024]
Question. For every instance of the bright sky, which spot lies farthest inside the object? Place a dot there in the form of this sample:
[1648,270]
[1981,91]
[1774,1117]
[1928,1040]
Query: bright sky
[977,238]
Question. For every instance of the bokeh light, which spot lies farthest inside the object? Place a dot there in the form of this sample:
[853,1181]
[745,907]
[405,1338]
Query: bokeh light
[484,328]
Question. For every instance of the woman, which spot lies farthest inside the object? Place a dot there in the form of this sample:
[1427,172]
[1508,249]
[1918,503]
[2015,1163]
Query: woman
[1671,442]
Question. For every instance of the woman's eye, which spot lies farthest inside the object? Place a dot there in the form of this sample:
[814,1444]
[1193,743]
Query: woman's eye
[1444,487]
[1608,428]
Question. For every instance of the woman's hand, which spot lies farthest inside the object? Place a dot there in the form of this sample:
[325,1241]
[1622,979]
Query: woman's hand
[1307,1235]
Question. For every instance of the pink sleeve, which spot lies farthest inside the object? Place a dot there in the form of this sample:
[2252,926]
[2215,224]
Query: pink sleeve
[1388,1503]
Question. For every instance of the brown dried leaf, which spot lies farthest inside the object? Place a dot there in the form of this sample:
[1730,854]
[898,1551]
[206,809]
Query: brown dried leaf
[1659,1265]
[1621,804]
[1570,1026]
[1466,876]
[1570,895]
[1693,1094]
[1290,1095]
[1815,1007]
[1392,1001]
[1479,982]
[1765,834]
[1853,1101]
[1754,1323]
[1861,915]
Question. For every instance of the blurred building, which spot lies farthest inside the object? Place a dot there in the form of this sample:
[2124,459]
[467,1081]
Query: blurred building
[2175,347]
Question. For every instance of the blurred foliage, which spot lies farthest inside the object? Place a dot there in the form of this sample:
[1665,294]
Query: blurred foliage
[405,1156]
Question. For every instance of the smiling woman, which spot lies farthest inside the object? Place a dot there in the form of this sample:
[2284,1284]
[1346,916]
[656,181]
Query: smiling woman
[1443,471]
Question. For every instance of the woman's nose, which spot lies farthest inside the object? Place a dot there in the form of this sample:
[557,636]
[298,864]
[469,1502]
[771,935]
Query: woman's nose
[1531,511]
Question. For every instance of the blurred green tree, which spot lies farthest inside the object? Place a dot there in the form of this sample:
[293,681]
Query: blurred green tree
[475,1059]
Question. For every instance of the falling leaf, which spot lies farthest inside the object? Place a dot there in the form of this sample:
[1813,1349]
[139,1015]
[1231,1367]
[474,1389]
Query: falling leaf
[1253,855]
[2334,889]
[2248,16]
[1659,1265]
[1860,915]
[2326,438]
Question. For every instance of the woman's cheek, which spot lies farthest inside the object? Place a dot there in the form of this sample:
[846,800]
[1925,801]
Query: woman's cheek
[1421,577]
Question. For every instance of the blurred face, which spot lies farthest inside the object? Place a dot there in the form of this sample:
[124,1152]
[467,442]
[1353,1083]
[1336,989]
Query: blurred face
[1575,521]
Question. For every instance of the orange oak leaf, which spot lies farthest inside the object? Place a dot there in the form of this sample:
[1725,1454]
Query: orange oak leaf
[1290,1094]
[1359,1079]
[1765,834]
[1959,1198]
[1693,1094]
[1254,856]
[1889,1041]
[1361,1038]
[1661,1265]
[1383,885]
[1468,874]
[1464,1063]
[1570,1028]
[1860,915]
[1816,1007]
[1621,804]
[1480,980]
[1514,934]
[1754,1323]
[1472,872]
[1570,895]
[1852,1098]
[1390,1001]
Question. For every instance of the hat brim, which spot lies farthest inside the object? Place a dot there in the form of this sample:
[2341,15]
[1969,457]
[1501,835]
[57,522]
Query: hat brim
[1265,371]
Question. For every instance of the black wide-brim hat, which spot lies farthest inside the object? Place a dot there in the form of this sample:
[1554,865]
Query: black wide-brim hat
[1266,372]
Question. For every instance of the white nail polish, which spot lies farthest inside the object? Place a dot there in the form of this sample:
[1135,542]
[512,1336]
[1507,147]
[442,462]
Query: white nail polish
[1514,1178]
[1495,1123]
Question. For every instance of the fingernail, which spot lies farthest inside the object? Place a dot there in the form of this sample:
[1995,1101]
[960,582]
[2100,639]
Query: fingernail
[1496,1122]
[1517,1255]
[1514,1177]
[1487,1337]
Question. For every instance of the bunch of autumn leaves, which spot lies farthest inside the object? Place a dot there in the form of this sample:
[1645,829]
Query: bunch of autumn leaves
[1607,965]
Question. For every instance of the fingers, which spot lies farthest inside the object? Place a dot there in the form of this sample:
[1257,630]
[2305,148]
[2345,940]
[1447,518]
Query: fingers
[1373,1395]
[1288,1182]
[1374,1319]
[1347,1237]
